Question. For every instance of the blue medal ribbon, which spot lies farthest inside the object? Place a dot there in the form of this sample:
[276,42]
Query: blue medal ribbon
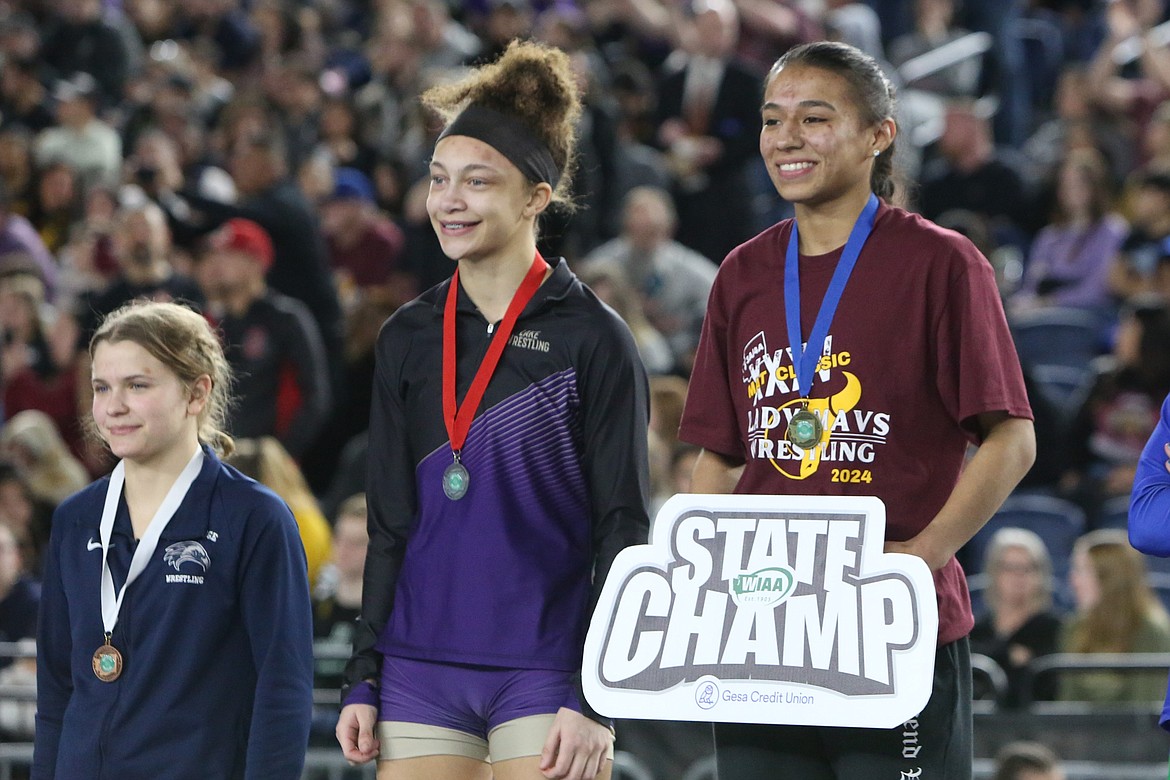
[805,359]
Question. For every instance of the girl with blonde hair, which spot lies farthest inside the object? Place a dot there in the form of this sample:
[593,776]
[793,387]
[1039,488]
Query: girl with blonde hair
[34,443]
[174,590]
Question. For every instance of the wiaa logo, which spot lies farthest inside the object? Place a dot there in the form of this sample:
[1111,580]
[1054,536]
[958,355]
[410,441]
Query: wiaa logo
[764,588]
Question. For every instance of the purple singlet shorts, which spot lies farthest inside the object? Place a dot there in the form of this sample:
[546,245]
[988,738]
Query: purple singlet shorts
[469,698]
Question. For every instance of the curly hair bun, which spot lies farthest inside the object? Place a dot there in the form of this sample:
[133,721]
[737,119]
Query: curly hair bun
[534,82]
[530,81]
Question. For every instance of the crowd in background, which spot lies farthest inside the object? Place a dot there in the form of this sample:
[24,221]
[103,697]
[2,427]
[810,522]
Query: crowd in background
[266,161]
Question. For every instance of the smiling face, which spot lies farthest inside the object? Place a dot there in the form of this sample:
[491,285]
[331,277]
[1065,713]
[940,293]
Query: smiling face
[480,205]
[141,409]
[815,143]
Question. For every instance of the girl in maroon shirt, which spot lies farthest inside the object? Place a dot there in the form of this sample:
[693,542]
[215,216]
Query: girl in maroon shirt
[908,360]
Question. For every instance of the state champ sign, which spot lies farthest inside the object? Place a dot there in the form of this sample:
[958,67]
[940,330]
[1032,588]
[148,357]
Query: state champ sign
[764,609]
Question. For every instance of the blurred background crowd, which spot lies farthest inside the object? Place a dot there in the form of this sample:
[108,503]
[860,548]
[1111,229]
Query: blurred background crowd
[265,160]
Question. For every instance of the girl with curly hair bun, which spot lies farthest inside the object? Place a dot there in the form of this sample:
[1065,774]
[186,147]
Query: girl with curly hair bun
[508,463]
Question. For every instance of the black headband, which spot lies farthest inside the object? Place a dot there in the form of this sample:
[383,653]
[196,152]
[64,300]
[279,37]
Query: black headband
[510,138]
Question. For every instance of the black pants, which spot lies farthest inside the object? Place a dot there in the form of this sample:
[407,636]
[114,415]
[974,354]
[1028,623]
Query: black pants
[936,745]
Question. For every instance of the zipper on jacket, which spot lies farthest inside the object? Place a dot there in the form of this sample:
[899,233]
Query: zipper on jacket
[124,624]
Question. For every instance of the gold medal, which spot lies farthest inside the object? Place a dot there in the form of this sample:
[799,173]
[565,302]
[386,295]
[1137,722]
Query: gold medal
[804,430]
[107,662]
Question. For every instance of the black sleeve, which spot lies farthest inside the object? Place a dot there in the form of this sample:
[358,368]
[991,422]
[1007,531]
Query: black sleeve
[391,503]
[616,412]
[192,216]
[218,211]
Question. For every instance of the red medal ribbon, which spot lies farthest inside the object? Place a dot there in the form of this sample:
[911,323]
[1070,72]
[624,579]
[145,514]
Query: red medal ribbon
[458,419]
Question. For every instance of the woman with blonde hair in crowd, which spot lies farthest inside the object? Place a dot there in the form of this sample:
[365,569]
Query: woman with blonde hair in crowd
[337,599]
[1019,624]
[1116,612]
[267,461]
[32,441]
[38,355]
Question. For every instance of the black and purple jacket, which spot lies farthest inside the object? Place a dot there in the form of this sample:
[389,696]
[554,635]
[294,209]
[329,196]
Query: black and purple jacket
[557,456]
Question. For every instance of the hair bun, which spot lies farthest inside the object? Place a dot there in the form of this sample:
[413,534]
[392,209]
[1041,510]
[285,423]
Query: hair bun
[532,82]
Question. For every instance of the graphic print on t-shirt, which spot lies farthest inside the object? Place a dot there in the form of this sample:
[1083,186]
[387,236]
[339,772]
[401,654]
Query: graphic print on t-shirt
[852,433]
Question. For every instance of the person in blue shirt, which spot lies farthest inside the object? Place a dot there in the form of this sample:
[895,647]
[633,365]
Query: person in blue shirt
[175,635]
[1149,505]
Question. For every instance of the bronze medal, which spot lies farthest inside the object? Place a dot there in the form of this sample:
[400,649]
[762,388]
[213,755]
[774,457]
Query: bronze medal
[804,430]
[107,663]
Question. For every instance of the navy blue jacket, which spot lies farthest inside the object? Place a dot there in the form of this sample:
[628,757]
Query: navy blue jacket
[217,646]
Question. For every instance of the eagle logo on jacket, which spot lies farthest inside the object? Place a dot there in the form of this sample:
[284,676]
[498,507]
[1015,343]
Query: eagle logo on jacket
[181,552]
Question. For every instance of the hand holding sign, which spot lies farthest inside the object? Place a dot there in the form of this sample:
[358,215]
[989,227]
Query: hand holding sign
[764,609]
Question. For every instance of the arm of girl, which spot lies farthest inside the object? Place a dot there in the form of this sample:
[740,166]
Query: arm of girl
[616,409]
[356,733]
[715,474]
[277,613]
[54,649]
[1004,457]
[1149,505]
[391,503]
[576,748]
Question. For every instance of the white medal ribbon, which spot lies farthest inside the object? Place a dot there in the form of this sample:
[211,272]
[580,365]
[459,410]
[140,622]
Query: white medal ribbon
[111,606]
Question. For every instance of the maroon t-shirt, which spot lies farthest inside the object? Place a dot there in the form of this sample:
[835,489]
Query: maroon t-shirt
[918,347]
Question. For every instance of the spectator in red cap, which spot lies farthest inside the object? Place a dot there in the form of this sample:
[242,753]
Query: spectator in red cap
[270,339]
[269,197]
[245,236]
